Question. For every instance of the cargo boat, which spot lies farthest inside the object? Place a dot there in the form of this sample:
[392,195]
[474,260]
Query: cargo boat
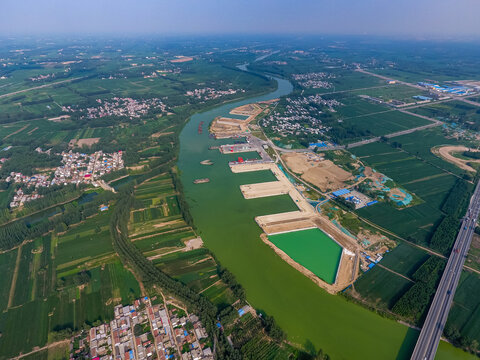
[201,181]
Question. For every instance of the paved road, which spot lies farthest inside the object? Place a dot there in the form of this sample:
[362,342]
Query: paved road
[427,343]
[40,87]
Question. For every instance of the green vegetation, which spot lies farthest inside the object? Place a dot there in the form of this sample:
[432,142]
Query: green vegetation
[427,177]
[472,154]
[445,234]
[457,201]
[15,232]
[381,287]
[405,259]
[7,267]
[454,111]
[463,321]
[57,300]
[413,305]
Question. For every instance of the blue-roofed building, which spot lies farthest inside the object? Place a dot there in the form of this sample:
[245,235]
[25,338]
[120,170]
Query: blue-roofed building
[318,144]
[340,192]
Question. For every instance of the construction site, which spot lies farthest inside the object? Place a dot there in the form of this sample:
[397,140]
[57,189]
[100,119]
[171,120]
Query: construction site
[226,127]
[345,267]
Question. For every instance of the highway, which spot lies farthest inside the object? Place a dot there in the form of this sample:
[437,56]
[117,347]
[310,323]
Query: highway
[431,332]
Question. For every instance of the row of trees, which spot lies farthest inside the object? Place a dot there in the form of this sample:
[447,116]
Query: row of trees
[457,200]
[414,303]
[445,234]
[472,154]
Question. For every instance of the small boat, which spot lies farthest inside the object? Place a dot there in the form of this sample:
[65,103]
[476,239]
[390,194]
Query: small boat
[200,127]
[201,181]
[206,162]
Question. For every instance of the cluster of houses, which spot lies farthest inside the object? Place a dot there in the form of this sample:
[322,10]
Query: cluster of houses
[145,331]
[210,93]
[124,107]
[84,168]
[20,198]
[76,168]
[299,116]
[314,80]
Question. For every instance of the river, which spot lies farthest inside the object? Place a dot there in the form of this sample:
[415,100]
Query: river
[225,221]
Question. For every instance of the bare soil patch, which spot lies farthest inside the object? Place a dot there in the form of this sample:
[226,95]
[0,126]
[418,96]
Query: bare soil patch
[87,141]
[322,173]
[158,134]
[181,59]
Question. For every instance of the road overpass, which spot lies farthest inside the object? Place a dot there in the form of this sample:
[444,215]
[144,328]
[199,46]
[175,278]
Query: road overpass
[432,329]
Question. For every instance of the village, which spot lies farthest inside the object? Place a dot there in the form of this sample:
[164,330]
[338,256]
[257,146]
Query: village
[124,107]
[298,117]
[77,168]
[148,329]
[314,80]
[210,93]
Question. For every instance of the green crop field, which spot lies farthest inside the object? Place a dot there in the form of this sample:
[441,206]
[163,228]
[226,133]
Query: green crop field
[455,111]
[46,289]
[24,283]
[85,241]
[195,268]
[404,259]
[381,287]
[312,249]
[17,321]
[168,239]
[464,316]
[392,92]
[388,122]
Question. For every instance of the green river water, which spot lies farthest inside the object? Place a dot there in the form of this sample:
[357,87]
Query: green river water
[225,221]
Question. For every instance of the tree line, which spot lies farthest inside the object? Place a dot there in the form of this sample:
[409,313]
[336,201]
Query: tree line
[413,305]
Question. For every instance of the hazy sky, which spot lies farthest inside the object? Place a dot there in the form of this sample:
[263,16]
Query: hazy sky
[379,17]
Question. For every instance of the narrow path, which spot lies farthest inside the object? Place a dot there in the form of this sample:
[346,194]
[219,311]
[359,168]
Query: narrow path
[208,287]
[394,272]
[14,277]
[55,344]
[158,256]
